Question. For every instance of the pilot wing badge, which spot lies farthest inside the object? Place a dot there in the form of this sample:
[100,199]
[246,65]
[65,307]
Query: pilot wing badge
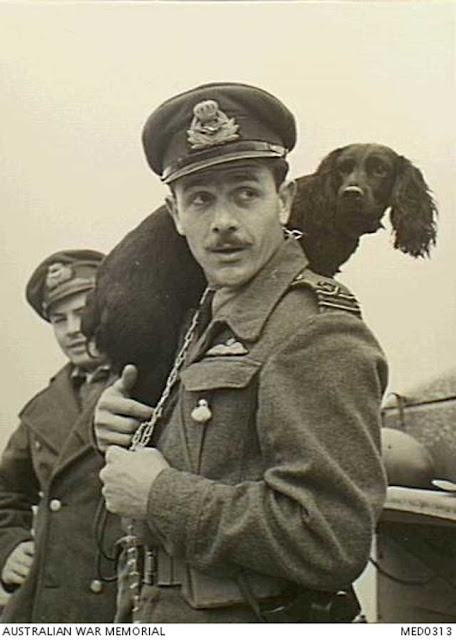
[230,348]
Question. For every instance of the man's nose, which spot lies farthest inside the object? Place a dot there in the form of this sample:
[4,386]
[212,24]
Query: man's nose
[73,324]
[223,219]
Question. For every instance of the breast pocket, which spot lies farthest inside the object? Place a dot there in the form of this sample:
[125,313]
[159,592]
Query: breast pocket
[218,410]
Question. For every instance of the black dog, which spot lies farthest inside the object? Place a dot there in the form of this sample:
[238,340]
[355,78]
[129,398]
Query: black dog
[149,282]
[348,196]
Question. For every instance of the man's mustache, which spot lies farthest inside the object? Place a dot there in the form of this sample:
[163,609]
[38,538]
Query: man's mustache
[228,244]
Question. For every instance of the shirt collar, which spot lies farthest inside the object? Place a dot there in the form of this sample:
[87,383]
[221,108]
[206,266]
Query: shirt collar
[81,375]
[247,312]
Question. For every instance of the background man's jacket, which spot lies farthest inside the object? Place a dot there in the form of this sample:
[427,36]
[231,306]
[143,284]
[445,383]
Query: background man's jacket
[49,461]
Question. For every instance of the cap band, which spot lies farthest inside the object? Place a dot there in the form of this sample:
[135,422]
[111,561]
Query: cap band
[242,150]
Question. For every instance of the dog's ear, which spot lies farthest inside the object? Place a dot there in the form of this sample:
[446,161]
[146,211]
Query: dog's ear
[413,211]
[315,201]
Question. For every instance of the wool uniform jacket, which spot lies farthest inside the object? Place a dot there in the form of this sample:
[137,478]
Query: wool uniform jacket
[49,462]
[277,476]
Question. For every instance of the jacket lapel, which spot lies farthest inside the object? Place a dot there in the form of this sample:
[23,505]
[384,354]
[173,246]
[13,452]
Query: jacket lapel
[80,437]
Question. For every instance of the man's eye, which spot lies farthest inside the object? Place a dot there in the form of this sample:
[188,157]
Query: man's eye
[200,199]
[246,194]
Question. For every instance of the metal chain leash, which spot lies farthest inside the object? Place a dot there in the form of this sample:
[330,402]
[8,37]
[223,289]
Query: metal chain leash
[144,432]
[141,439]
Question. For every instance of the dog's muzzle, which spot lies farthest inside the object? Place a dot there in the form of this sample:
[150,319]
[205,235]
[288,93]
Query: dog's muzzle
[352,193]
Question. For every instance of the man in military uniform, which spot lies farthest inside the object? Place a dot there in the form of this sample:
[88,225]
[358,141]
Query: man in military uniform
[49,463]
[262,482]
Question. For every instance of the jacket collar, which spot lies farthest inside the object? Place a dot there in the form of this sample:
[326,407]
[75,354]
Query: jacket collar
[247,312]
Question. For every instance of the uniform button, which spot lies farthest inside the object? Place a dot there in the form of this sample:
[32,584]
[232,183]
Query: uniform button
[55,505]
[37,445]
[96,586]
[41,494]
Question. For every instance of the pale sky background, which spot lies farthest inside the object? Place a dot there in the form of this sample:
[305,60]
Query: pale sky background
[79,79]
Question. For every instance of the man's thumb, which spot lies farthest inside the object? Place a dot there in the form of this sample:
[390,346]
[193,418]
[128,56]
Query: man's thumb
[128,379]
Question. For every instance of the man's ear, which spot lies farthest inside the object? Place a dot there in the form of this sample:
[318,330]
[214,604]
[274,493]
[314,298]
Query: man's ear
[171,205]
[287,192]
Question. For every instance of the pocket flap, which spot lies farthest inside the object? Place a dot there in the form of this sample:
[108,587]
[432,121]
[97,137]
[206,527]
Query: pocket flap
[219,373]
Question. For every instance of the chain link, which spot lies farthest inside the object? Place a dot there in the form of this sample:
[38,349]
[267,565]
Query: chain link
[293,233]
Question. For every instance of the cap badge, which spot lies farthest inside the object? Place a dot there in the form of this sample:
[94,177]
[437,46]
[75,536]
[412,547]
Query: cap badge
[210,126]
[58,273]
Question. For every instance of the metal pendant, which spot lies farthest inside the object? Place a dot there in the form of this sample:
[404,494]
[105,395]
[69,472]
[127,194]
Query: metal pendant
[201,413]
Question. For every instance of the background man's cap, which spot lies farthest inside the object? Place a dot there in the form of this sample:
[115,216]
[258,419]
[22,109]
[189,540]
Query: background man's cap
[214,124]
[60,275]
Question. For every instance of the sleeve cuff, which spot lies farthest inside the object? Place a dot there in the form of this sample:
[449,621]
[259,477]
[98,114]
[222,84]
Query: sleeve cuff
[174,504]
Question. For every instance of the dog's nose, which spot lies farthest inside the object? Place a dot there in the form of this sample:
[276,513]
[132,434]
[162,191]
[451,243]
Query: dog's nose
[353,192]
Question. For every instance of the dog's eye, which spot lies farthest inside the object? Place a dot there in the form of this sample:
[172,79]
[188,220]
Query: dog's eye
[378,169]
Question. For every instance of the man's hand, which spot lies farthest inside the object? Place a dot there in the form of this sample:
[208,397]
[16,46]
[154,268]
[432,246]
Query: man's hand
[17,566]
[117,416]
[127,479]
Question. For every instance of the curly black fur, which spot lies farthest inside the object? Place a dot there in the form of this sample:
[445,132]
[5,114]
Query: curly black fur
[413,211]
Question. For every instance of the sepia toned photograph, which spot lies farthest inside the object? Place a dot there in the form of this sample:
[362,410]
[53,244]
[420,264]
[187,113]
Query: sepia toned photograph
[229,309]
